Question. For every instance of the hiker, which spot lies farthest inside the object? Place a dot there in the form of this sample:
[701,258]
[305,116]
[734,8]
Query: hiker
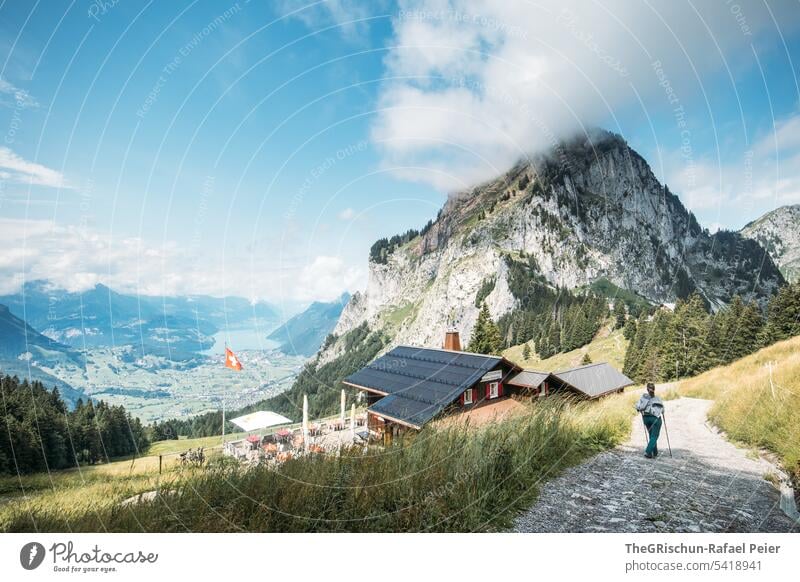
[652,409]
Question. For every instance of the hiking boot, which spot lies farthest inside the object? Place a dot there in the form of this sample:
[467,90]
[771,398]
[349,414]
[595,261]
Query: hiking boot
[648,456]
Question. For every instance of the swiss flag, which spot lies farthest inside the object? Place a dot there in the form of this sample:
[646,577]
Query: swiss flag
[231,361]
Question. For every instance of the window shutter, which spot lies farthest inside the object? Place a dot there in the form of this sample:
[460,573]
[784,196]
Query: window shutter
[462,399]
[499,389]
[488,392]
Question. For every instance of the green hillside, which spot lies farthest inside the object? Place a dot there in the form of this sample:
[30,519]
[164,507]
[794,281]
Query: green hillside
[755,400]
[607,346]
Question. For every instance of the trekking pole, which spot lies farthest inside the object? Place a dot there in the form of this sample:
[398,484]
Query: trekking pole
[646,431]
[666,431]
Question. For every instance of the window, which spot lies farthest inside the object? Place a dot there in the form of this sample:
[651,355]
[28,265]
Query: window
[468,396]
[494,390]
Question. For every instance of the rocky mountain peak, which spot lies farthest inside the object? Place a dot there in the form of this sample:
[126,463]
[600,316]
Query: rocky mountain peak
[778,231]
[589,208]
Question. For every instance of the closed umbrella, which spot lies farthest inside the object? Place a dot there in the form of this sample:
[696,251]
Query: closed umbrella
[353,421]
[341,411]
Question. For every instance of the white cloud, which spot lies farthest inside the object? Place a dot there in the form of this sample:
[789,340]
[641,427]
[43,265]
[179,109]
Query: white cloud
[348,15]
[494,81]
[17,169]
[14,97]
[784,139]
[743,185]
[347,214]
[326,278]
[76,259]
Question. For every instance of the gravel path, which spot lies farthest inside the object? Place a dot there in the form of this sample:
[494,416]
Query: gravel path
[710,485]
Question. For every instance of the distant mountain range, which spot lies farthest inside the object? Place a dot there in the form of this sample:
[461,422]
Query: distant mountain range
[304,333]
[176,327]
[22,349]
[778,231]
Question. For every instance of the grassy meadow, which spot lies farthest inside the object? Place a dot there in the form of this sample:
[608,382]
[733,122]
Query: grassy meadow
[94,487]
[449,477]
[459,478]
[608,346]
[753,406]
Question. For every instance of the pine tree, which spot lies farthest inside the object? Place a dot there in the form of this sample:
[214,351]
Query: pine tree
[494,341]
[586,359]
[526,352]
[750,330]
[486,338]
[477,341]
[783,315]
[619,314]
[686,350]
[38,433]
[629,331]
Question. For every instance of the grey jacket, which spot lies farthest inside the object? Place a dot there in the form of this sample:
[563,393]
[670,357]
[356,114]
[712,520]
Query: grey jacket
[650,405]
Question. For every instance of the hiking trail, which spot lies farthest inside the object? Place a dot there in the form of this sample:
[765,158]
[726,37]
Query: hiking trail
[710,485]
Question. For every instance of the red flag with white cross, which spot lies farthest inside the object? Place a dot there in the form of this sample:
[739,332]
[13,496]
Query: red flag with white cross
[231,361]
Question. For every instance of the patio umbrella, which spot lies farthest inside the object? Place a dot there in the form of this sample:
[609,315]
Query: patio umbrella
[353,420]
[341,411]
[305,421]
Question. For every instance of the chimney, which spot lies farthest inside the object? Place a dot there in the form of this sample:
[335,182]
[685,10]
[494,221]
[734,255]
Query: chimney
[452,341]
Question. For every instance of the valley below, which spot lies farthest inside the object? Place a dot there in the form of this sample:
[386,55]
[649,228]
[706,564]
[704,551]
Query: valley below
[154,388]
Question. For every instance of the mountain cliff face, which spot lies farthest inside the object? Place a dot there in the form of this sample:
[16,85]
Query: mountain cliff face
[589,209]
[304,333]
[778,232]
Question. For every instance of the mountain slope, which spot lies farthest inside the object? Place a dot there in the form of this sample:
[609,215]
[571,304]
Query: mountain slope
[589,209]
[778,231]
[745,393]
[17,338]
[22,348]
[609,346]
[304,333]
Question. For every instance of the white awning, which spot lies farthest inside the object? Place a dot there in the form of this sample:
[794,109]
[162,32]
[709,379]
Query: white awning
[259,420]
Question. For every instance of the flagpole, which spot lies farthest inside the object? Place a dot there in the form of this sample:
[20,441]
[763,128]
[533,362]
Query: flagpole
[223,398]
[230,362]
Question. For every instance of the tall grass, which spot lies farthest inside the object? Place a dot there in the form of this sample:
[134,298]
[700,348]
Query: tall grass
[753,409]
[453,478]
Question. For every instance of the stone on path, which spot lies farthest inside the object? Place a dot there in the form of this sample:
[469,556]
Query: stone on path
[710,485]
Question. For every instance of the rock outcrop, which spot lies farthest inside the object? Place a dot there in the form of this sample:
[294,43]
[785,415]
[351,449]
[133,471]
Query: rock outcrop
[589,209]
[778,232]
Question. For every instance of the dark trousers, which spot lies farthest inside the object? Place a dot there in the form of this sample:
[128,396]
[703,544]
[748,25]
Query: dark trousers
[653,425]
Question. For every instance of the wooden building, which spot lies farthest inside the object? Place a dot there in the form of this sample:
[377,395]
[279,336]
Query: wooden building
[409,386]
[590,381]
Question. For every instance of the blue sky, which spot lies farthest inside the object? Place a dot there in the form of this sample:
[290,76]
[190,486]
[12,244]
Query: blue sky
[259,148]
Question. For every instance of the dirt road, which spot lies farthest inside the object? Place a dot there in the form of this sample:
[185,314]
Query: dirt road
[710,485]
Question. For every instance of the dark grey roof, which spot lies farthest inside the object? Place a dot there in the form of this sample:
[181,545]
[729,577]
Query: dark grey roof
[407,410]
[420,382]
[594,379]
[529,378]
